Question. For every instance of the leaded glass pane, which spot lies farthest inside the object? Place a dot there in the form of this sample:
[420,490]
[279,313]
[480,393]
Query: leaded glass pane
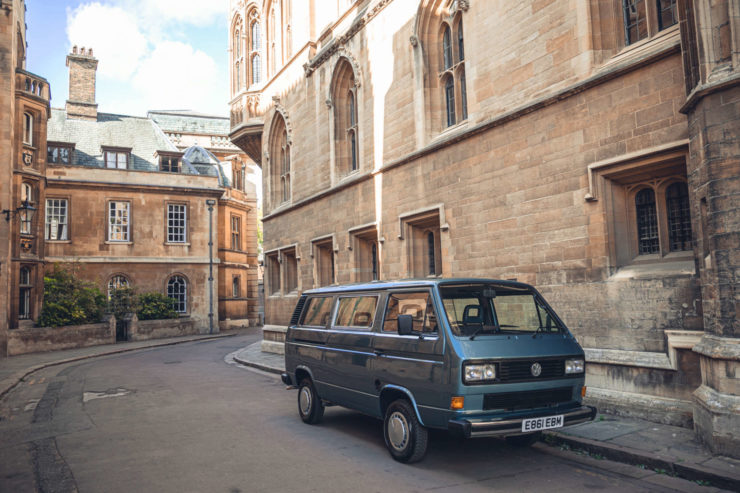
[679,218]
[647,222]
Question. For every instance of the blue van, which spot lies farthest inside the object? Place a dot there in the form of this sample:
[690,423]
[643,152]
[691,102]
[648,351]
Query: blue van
[477,357]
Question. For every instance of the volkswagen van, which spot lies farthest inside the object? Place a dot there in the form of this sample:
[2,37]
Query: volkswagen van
[476,357]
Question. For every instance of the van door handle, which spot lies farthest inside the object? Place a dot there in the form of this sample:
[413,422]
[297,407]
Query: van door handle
[378,352]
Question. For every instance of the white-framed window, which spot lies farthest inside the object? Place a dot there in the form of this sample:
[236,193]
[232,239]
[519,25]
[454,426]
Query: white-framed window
[116,282]
[177,223]
[116,159]
[56,219]
[177,289]
[119,221]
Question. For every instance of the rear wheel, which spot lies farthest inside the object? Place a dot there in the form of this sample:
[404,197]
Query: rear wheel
[405,437]
[524,440]
[310,406]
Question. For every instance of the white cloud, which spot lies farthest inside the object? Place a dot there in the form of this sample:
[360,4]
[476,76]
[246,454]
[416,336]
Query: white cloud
[177,76]
[113,34]
[137,43]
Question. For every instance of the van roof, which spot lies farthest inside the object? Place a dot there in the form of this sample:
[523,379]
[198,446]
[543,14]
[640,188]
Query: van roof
[411,283]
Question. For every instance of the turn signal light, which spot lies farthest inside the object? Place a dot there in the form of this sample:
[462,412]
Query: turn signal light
[457,403]
[583,391]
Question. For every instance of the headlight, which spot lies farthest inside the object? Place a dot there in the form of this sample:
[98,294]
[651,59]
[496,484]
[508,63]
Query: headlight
[479,373]
[573,366]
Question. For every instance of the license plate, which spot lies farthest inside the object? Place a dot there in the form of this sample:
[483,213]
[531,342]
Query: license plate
[543,423]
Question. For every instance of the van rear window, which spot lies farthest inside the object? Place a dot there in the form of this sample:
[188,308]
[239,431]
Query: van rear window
[317,312]
[356,311]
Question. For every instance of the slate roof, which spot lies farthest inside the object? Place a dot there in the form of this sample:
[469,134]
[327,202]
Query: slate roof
[142,135]
[191,122]
[110,130]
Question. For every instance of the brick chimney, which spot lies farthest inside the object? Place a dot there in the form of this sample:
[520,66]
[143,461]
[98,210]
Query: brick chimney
[82,65]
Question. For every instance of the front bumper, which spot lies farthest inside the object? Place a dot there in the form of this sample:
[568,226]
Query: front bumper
[484,427]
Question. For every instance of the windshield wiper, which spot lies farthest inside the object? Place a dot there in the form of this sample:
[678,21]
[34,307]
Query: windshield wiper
[485,328]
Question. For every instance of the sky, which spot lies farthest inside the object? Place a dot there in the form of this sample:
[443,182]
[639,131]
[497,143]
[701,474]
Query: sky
[153,54]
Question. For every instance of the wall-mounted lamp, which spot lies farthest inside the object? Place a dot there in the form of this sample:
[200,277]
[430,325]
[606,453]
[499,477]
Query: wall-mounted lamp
[24,207]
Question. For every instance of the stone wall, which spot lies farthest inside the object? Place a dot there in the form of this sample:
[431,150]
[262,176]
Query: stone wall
[42,339]
[140,330]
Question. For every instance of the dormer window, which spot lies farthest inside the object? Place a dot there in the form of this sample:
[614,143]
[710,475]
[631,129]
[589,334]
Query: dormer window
[169,162]
[59,153]
[116,157]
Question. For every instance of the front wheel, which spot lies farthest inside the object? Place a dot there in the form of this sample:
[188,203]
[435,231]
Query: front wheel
[405,437]
[310,406]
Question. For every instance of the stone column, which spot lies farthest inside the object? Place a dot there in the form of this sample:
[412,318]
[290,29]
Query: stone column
[710,37]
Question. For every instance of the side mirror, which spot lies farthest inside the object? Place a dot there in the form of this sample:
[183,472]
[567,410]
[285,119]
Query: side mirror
[405,325]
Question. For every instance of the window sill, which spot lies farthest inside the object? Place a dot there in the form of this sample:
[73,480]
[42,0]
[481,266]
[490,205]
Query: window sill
[664,39]
[675,264]
[63,242]
[110,242]
[453,128]
[177,243]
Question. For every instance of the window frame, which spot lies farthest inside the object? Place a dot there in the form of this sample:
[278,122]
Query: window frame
[28,194]
[451,71]
[47,224]
[653,19]
[415,333]
[28,128]
[117,152]
[118,285]
[25,291]
[129,217]
[59,146]
[186,294]
[236,242]
[354,328]
[185,223]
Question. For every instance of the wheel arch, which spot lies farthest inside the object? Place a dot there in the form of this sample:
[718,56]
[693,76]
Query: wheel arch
[390,393]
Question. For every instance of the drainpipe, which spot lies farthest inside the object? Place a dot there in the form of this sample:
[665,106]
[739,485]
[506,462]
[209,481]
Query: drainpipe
[210,203]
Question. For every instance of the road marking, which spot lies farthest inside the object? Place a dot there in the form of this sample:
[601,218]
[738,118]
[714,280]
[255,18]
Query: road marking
[90,396]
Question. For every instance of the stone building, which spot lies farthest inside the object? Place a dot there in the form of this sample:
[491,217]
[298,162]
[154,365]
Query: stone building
[589,149]
[204,139]
[24,106]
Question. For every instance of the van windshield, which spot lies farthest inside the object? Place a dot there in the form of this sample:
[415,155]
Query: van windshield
[474,309]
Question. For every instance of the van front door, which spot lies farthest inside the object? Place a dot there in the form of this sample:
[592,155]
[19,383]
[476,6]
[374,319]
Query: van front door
[415,361]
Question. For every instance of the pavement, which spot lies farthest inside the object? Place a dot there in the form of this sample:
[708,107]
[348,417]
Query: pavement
[656,448]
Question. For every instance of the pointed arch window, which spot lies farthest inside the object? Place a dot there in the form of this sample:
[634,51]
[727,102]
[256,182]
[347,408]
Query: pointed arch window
[254,52]
[352,129]
[452,71]
[27,197]
[346,120]
[280,148]
[447,47]
[256,36]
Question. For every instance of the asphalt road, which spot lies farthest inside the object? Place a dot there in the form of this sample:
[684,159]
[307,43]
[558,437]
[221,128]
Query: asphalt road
[182,419]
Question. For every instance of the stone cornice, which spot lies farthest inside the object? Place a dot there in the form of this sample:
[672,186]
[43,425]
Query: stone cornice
[333,46]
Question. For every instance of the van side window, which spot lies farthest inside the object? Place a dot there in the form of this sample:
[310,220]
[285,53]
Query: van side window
[418,305]
[317,312]
[356,311]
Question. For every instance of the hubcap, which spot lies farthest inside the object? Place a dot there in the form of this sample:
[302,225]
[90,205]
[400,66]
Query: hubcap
[398,431]
[304,400]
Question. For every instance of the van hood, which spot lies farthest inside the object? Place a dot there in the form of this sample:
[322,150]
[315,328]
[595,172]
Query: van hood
[516,346]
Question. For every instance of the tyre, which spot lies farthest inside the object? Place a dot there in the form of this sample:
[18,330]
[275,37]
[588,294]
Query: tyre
[405,437]
[310,407]
[524,440]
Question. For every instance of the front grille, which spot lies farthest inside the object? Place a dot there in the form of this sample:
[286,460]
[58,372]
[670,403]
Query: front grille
[520,371]
[527,400]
